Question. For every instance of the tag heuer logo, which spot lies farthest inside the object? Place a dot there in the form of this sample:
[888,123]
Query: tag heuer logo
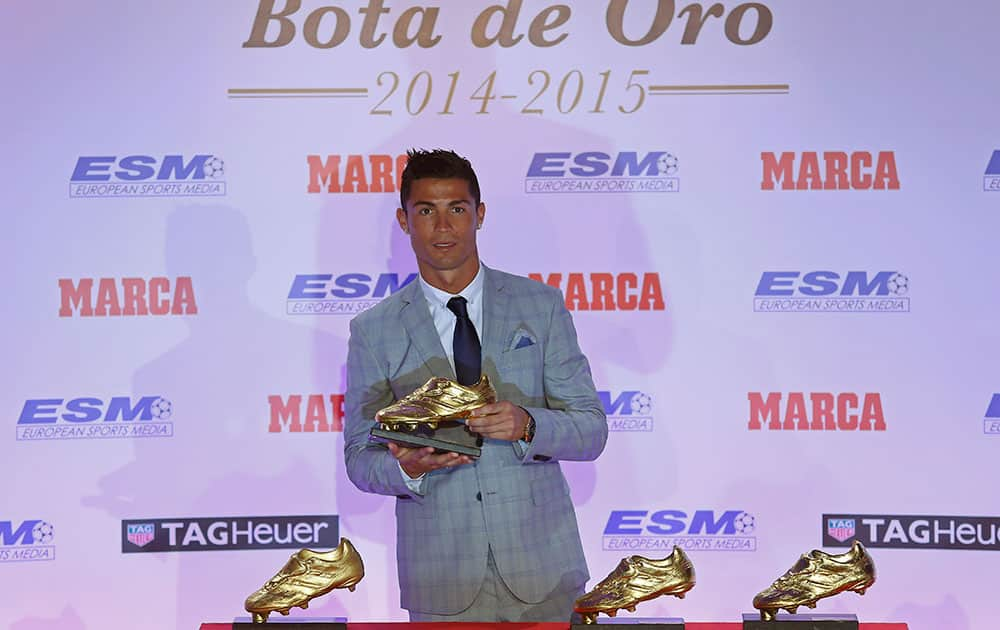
[840,528]
[141,534]
[218,533]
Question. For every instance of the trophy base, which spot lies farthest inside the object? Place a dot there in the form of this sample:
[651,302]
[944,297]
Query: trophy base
[451,436]
[636,623]
[317,624]
[752,621]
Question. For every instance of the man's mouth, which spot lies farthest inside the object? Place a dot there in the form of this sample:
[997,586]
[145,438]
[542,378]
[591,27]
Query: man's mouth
[444,246]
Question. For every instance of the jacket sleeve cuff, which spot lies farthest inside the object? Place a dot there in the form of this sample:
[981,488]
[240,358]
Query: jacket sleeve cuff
[534,451]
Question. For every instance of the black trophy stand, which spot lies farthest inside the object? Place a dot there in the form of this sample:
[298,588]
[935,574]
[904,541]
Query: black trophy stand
[450,436]
[635,623]
[752,621]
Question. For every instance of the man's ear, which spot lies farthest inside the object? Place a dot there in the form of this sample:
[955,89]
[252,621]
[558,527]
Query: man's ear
[480,215]
[401,219]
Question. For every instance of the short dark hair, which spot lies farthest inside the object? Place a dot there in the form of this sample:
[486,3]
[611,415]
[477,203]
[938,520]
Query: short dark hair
[436,164]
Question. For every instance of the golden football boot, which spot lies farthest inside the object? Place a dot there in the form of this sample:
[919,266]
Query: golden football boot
[817,575]
[307,575]
[437,400]
[634,580]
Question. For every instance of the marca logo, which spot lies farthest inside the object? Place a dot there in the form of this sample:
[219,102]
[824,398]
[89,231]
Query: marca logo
[26,541]
[126,296]
[824,412]
[202,175]
[840,171]
[897,531]
[607,291]
[346,294]
[991,422]
[832,292]
[630,410]
[706,530]
[598,172]
[314,413]
[991,179]
[840,529]
[229,533]
[91,418]
[355,174]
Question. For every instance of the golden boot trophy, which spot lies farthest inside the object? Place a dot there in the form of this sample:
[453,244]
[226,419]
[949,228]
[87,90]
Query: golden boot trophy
[635,580]
[432,414]
[815,576]
[307,575]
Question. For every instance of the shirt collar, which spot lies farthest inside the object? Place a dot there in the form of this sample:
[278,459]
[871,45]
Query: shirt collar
[438,298]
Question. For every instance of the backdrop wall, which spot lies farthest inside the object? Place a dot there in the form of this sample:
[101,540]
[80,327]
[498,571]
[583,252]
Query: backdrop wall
[775,224]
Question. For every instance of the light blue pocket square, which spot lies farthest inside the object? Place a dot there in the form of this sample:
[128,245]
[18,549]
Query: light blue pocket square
[524,340]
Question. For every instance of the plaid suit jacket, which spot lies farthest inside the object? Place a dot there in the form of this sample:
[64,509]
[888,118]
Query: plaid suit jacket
[515,502]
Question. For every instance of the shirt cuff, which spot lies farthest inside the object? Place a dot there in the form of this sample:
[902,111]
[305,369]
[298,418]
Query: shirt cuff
[520,448]
[411,483]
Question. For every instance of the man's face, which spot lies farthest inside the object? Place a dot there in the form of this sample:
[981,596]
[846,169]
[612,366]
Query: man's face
[441,218]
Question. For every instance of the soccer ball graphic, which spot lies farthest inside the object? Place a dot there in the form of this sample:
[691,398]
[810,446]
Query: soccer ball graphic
[214,167]
[667,164]
[642,404]
[43,533]
[899,284]
[162,408]
[745,523]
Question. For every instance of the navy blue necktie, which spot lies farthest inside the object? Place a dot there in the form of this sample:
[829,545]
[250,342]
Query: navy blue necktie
[468,353]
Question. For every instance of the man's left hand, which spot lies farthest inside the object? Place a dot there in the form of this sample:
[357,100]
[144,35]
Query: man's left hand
[500,420]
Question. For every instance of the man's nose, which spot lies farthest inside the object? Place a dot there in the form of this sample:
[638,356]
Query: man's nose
[442,221]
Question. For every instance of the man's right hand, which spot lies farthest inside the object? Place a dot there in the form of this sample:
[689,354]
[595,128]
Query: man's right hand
[418,461]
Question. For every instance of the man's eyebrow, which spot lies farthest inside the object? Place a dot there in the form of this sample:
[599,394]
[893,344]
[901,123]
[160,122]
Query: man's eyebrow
[450,203]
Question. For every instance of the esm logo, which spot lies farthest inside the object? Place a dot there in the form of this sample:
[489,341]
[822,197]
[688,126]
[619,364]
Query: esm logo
[599,172]
[837,170]
[355,173]
[991,421]
[26,541]
[148,176]
[832,292]
[607,291]
[820,411]
[991,178]
[629,410]
[344,294]
[707,530]
[93,418]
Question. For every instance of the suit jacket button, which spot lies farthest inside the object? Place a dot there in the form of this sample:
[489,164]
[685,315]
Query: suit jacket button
[479,496]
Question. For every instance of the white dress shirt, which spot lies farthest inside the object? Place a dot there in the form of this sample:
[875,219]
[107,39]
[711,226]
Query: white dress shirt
[444,323]
[444,319]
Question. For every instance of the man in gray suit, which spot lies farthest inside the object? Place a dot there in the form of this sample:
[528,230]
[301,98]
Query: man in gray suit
[491,539]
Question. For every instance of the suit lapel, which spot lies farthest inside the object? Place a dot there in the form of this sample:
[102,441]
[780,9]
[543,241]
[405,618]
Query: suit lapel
[495,313]
[416,317]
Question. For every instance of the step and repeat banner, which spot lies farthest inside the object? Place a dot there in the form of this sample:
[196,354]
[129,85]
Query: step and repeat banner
[773,222]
